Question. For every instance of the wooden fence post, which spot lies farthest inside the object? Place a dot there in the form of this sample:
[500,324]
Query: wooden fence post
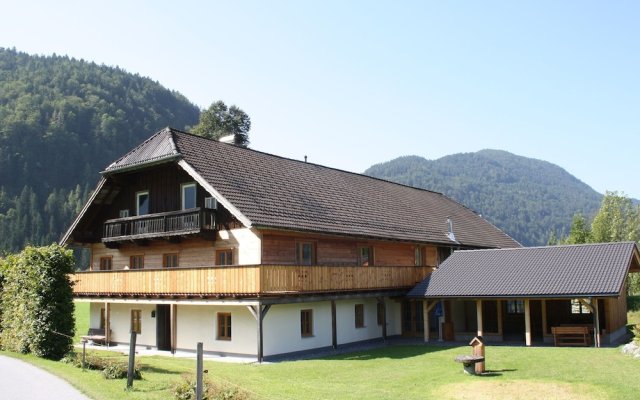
[199,368]
[132,360]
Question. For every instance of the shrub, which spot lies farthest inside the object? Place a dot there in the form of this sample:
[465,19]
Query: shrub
[111,369]
[37,301]
[185,389]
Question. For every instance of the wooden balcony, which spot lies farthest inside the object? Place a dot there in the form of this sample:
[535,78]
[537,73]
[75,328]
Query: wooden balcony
[160,225]
[244,281]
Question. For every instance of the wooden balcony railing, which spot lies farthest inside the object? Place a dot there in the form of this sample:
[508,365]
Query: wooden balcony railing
[165,224]
[245,280]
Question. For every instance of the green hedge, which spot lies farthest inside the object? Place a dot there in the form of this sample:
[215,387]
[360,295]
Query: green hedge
[37,302]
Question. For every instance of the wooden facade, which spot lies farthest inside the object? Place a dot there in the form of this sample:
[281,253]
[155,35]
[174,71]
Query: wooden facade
[245,280]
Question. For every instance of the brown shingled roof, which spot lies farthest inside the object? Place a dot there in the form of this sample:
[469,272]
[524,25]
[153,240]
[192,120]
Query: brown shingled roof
[276,192]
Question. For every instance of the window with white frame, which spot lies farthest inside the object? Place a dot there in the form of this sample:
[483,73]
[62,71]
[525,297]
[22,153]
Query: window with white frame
[188,195]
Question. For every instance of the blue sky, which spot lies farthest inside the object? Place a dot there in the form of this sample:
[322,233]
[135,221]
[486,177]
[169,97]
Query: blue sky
[351,84]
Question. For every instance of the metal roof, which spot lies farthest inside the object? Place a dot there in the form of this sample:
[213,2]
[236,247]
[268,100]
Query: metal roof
[587,270]
[157,148]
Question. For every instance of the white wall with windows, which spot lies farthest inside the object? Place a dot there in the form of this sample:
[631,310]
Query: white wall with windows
[198,323]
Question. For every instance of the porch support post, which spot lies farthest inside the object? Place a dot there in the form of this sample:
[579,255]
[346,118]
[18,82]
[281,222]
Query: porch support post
[527,323]
[499,305]
[479,316]
[334,328]
[427,306]
[173,315]
[543,305]
[107,322]
[596,322]
[259,312]
[384,318]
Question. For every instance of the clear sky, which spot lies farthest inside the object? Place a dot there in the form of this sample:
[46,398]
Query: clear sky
[351,84]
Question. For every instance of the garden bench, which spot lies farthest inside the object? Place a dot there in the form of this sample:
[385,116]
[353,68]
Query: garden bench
[571,335]
[469,363]
[96,336]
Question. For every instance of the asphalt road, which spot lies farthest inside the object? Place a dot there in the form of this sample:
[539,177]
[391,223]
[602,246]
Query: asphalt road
[22,381]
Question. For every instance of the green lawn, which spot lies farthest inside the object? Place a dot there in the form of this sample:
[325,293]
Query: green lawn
[396,372]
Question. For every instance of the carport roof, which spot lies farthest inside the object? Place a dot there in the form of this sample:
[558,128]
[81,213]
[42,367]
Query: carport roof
[587,270]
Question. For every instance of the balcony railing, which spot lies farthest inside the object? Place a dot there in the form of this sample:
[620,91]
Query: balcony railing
[245,280]
[185,222]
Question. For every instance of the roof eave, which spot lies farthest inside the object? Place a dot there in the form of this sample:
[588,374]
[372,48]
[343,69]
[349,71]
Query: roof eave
[142,165]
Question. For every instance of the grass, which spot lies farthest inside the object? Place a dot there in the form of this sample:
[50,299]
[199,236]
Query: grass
[400,372]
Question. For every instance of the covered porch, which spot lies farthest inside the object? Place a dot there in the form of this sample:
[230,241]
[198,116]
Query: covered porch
[564,295]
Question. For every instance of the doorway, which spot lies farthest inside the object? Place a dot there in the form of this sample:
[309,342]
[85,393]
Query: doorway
[412,318]
[163,327]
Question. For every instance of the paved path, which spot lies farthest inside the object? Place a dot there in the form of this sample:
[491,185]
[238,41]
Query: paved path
[22,381]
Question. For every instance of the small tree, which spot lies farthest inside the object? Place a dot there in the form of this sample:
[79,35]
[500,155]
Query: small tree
[219,120]
[37,302]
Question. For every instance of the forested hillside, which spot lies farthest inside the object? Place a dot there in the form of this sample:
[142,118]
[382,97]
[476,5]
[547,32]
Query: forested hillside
[525,197]
[62,121]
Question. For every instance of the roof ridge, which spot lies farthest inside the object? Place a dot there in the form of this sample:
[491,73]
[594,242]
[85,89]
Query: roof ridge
[555,246]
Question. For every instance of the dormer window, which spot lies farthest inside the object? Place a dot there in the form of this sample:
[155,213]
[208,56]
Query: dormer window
[188,195]
[142,203]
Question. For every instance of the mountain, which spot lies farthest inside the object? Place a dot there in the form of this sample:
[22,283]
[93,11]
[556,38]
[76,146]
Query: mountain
[61,121]
[525,197]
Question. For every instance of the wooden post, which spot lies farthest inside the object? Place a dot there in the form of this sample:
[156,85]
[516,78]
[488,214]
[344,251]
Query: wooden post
[132,360]
[334,333]
[173,315]
[107,323]
[426,309]
[425,318]
[527,323]
[384,318]
[596,322]
[479,316]
[260,337]
[199,370]
[84,354]
[499,305]
[543,305]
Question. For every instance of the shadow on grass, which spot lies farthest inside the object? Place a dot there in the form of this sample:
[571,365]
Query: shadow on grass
[390,351]
[491,373]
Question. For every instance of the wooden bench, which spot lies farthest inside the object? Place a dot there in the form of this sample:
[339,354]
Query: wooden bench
[96,336]
[571,335]
[469,363]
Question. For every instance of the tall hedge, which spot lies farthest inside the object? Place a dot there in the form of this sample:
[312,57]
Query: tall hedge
[37,300]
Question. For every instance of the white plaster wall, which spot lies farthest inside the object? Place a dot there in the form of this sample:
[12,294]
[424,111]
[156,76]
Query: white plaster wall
[245,242]
[120,323]
[394,317]
[345,321]
[282,328]
[198,323]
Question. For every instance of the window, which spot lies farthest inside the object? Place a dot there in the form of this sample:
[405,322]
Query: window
[188,195]
[224,326]
[224,257]
[577,307]
[419,259]
[142,203]
[123,213]
[381,316]
[136,321]
[365,256]
[359,314]
[515,306]
[170,260]
[136,262]
[106,263]
[102,319]
[306,253]
[306,322]
[210,203]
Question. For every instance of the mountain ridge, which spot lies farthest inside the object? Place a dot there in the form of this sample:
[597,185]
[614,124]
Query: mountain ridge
[526,197]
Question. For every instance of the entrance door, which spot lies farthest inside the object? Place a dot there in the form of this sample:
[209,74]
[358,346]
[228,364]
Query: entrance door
[163,326]
[412,318]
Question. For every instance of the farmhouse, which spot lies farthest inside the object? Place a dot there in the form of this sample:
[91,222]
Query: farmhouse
[193,240]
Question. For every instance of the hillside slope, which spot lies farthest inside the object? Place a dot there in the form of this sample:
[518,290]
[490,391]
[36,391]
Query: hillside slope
[525,197]
[62,121]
